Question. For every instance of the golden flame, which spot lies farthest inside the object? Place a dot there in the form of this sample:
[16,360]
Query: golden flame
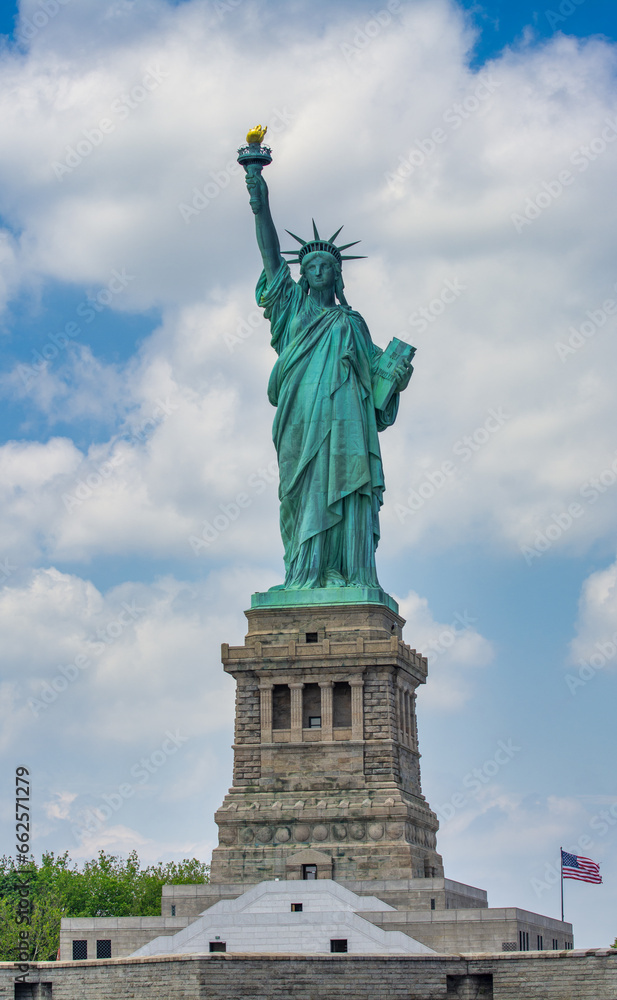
[256,134]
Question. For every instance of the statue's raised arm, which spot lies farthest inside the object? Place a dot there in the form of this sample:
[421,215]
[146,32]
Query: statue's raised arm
[267,237]
[254,157]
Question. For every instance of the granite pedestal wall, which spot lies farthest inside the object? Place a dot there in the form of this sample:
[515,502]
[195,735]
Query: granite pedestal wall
[124,934]
[326,756]
[414,894]
[571,975]
[391,907]
[477,930]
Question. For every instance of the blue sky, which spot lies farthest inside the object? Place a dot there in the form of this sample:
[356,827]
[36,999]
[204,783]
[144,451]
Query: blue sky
[501,24]
[463,143]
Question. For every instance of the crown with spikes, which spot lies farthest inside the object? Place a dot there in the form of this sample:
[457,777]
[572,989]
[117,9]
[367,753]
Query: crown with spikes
[328,246]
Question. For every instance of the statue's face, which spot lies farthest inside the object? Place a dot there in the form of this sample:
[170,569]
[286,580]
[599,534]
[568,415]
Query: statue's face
[320,272]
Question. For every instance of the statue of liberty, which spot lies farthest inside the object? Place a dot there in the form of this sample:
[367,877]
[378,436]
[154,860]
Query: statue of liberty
[333,390]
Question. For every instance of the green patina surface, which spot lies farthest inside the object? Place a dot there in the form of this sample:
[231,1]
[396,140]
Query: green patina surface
[326,424]
[323,596]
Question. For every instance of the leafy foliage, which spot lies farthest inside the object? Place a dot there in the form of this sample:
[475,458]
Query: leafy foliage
[105,886]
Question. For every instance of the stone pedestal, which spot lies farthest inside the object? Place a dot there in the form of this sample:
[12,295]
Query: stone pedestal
[326,762]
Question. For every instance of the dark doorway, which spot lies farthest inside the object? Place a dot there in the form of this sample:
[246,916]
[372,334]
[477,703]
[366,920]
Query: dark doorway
[341,705]
[311,705]
[281,707]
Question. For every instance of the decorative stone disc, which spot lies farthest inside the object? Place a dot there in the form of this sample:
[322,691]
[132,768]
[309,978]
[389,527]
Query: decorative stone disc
[395,830]
[320,832]
[282,834]
[375,831]
[302,832]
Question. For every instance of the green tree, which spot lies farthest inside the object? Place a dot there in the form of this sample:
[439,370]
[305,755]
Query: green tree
[105,886]
[37,912]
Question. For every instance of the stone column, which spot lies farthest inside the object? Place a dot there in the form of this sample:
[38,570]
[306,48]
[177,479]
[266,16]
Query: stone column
[265,689]
[407,719]
[296,712]
[357,708]
[326,709]
[400,714]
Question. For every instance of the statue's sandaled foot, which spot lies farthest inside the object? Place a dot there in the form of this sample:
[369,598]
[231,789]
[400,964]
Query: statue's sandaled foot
[279,586]
[335,579]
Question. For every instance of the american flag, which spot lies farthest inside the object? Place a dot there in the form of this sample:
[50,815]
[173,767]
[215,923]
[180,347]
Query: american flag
[583,869]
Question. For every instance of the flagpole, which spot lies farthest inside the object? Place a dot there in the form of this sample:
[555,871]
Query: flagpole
[561,872]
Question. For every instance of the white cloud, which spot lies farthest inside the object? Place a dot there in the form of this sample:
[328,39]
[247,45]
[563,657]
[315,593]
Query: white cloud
[59,806]
[84,662]
[30,473]
[595,644]
[454,650]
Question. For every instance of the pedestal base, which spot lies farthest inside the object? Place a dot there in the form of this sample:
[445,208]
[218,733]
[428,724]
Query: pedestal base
[323,596]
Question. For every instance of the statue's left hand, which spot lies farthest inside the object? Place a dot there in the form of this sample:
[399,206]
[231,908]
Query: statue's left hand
[402,374]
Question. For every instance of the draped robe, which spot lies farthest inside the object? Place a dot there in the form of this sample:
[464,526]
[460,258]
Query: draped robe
[326,436]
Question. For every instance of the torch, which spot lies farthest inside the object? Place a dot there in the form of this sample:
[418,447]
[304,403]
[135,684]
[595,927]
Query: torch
[254,156]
